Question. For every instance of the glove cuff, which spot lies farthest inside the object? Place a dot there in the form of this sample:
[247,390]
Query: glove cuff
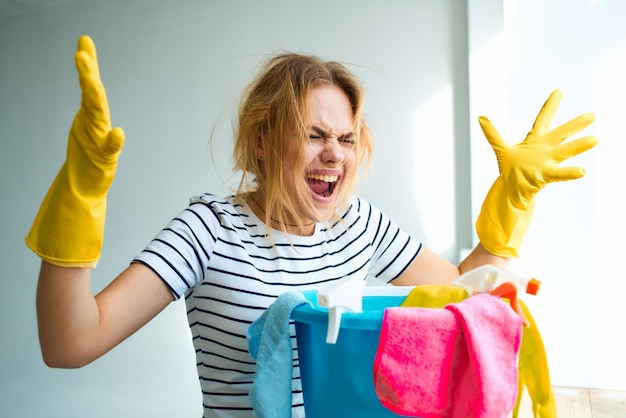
[68,230]
[501,226]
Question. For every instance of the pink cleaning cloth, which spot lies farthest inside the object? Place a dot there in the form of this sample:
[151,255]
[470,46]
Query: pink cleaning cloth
[455,362]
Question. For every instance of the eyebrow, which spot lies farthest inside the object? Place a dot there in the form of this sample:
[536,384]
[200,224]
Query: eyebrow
[321,132]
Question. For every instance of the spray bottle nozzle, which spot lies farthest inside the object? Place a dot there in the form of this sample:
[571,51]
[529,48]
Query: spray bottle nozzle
[498,282]
[486,278]
[343,296]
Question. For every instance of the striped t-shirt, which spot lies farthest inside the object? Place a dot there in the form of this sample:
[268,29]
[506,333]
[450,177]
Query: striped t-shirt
[217,255]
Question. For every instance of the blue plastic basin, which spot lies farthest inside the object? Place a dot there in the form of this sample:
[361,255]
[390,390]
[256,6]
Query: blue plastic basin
[337,379]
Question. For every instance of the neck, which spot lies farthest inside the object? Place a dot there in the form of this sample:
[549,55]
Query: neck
[292,228]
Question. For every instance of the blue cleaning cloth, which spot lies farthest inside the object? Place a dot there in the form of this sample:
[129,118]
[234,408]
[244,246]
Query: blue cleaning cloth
[269,343]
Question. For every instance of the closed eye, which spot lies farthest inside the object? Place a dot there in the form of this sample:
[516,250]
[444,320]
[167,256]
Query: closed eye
[318,133]
[347,139]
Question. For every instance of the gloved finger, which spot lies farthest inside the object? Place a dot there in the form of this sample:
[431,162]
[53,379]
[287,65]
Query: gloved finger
[94,96]
[114,142]
[86,65]
[88,77]
[563,174]
[95,106]
[86,45]
[574,147]
[571,127]
[547,112]
[492,134]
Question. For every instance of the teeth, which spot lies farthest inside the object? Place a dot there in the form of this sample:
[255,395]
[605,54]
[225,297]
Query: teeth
[327,179]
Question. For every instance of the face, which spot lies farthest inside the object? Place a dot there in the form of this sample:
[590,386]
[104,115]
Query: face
[329,155]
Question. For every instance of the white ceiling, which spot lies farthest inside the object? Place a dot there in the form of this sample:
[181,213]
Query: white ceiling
[16,7]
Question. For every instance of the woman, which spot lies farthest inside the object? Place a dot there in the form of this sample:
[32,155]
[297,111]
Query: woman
[292,225]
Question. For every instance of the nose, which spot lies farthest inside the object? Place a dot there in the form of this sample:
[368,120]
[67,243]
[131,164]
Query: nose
[333,151]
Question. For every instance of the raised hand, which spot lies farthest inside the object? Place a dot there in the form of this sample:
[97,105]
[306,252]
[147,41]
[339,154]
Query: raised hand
[69,228]
[525,169]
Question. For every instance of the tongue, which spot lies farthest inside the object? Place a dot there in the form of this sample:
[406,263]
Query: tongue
[318,186]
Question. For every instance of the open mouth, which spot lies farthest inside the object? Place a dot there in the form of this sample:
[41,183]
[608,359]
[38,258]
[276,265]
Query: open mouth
[322,185]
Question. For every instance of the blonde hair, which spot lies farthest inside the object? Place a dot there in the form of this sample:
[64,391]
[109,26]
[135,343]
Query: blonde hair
[274,107]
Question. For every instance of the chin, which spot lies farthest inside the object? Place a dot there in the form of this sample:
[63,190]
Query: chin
[325,208]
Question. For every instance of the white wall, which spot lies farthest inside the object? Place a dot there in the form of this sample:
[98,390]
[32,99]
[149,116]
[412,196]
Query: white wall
[172,71]
[518,55]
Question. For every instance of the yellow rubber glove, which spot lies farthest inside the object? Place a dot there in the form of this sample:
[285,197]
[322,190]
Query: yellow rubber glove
[68,230]
[533,371]
[434,296]
[526,168]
